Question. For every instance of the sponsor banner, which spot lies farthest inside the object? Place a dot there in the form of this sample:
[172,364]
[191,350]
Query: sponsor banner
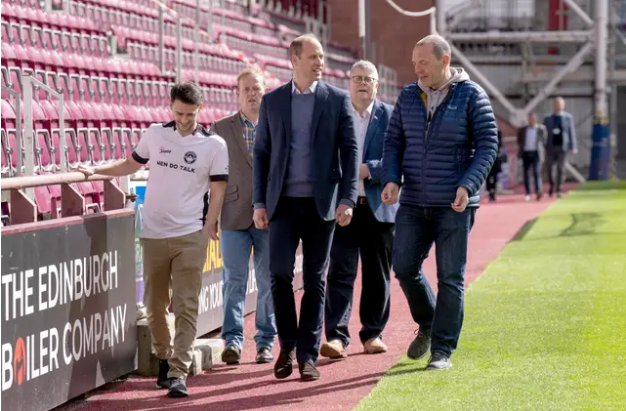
[68,309]
[211,311]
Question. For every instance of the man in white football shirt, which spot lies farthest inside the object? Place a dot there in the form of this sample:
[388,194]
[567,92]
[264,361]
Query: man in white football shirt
[187,163]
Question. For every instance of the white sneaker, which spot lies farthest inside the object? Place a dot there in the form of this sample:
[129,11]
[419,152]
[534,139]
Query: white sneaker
[527,198]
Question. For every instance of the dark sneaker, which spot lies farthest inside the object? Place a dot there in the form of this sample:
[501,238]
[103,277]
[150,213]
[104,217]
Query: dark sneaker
[439,361]
[177,388]
[264,356]
[420,346]
[308,372]
[284,364]
[162,380]
[231,355]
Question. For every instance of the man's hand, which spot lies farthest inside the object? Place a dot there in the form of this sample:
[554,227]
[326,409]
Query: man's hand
[343,215]
[389,195]
[574,151]
[211,231]
[260,218]
[461,201]
[364,171]
[87,171]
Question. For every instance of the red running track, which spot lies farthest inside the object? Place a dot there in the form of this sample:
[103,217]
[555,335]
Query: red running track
[343,383]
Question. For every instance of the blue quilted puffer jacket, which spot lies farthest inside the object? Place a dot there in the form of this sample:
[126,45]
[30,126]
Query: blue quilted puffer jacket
[457,149]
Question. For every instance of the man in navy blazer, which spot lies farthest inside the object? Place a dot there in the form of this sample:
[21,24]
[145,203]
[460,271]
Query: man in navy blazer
[305,179]
[370,233]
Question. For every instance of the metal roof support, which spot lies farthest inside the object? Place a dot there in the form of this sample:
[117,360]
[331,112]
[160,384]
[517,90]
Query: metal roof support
[570,67]
[484,81]
[572,36]
[602,17]
[440,18]
[581,13]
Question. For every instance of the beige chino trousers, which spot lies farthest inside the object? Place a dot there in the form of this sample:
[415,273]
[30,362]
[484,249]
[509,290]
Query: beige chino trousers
[175,263]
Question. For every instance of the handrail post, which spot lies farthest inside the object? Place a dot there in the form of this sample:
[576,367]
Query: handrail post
[210,19]
[196,32]
[19,135]
[29,140]
[223,17]
[179,49]
[161,40]
[61,132]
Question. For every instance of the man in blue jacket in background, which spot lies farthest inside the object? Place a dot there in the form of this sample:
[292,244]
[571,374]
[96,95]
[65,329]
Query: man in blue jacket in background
[369,235]
[440,145]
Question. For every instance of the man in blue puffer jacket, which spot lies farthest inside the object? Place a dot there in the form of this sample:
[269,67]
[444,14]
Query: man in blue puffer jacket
[440,144]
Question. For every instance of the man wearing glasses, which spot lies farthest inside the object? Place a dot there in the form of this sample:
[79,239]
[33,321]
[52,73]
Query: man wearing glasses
[370,234]
[239,235]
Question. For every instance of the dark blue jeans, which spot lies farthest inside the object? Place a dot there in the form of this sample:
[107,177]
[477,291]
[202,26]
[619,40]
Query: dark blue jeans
[417,228]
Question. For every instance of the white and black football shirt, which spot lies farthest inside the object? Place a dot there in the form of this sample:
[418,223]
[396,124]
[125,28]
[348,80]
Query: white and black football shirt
[180,171]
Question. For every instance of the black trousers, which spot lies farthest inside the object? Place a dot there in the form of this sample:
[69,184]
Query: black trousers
[297,219]
[555,158]
[373,241]
[530,160]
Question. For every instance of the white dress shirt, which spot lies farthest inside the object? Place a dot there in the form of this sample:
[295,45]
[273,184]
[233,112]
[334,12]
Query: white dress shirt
[530,144]
[361,125]
[309,90]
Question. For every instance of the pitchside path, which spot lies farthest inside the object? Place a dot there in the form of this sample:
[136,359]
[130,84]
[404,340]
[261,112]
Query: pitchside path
[343,383]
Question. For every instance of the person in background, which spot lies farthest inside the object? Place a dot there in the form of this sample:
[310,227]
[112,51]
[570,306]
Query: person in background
[239,235]
[305,180]
[369,235]
[531,141]
[492,177]
[561,142]
[440,145]
[189,167]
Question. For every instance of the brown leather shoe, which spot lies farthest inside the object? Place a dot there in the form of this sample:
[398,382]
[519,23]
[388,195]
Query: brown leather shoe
[284,364]
[308,372]
[334,350]
[375,346]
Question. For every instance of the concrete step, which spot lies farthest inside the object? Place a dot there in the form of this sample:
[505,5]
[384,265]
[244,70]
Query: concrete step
[207,351]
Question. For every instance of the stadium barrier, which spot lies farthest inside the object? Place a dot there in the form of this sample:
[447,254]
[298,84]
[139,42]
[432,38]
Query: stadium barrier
[68,318]
[70,287]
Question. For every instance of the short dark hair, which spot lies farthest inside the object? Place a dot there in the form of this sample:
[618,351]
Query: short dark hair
[295,48]
[186,92]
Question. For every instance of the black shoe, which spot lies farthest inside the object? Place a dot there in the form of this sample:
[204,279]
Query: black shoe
[178,388]
[419,346]
[308,372]
[231,355]
[284,364]
[162,380]
[264,356]
[439,361]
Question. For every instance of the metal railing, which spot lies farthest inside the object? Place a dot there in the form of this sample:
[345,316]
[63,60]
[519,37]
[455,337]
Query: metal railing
[18,133]
[24,209]
[30,83]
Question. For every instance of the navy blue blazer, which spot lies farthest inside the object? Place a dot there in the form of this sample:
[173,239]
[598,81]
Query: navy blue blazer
[373,157]
[334,151]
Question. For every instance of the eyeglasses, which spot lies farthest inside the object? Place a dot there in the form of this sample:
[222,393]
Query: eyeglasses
[364,79]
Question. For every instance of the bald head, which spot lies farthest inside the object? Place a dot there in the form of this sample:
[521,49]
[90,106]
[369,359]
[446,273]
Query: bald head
[558,105]
[438,45]
[431,60]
